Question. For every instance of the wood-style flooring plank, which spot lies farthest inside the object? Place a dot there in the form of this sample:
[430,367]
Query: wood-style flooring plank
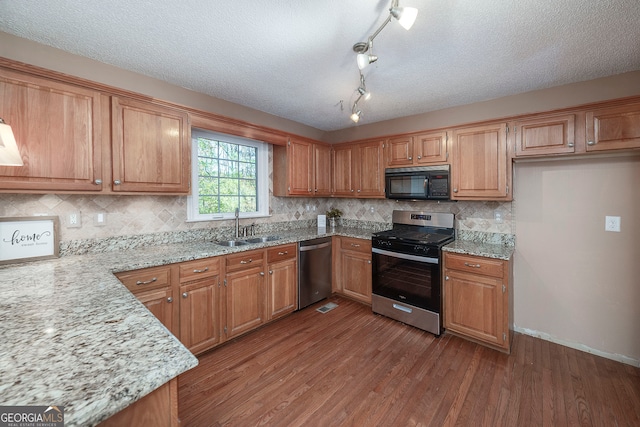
[354,368]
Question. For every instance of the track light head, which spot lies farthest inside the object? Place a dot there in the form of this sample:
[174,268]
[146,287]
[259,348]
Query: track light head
[406,16]
[364,60]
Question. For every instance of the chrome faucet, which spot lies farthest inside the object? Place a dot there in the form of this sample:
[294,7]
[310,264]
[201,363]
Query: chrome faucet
[237,223]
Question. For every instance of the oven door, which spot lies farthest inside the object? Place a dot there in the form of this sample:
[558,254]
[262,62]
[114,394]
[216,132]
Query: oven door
[410,279]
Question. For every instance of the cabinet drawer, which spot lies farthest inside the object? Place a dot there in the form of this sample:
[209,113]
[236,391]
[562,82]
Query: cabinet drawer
[193,270]
[280,253]
[243,260]
[146,279]
[474,264]
[353,244]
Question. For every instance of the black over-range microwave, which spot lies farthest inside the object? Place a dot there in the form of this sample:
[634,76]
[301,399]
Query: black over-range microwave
[417,183]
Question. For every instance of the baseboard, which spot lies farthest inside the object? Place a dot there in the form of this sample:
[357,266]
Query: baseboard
[617,357]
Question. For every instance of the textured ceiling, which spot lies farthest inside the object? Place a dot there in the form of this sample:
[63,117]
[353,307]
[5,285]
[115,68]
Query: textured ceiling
[294,58]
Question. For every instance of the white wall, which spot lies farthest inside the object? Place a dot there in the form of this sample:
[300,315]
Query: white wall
[574,282]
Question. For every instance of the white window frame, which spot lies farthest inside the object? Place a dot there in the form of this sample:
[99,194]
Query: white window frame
[262,166]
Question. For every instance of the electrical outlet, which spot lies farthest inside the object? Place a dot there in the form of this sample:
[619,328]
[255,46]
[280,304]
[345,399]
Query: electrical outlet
[75,220]
[497,216]
[612,223]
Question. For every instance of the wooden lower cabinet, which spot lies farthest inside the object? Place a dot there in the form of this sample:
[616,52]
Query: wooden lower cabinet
[282,281]
[157,409]
[478,299]
[353,268]
[244,283]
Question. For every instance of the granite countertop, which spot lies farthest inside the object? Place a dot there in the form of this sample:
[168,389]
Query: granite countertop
[489,250]
[72,335]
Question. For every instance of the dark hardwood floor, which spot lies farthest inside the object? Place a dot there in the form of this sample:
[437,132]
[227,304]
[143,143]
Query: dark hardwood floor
[351,367]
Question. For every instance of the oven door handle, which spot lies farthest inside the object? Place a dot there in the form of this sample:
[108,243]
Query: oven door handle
[406,256]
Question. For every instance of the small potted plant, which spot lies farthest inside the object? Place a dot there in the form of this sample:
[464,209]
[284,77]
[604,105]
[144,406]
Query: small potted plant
[333,214]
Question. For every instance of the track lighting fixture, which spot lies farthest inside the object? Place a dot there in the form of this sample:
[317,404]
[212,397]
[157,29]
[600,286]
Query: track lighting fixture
[406,16]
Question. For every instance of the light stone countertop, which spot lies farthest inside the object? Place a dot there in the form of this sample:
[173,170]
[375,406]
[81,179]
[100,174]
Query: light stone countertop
[489,250]
[72,335]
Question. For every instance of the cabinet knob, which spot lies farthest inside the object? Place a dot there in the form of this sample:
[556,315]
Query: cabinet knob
[316,190]
[591,143]
[262,273]
[455,190]
[570,144]
[309,190]
[117,182]
[352,190]
[446,277]
[270,271]
[184,295]
[419,157]
[410,158]
[98,182]
[169,299]
[358,191]
[368,261]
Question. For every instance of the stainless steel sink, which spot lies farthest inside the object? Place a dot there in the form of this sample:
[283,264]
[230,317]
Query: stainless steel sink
[231,243]
[262,239]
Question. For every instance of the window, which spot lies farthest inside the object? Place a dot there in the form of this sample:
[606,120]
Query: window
[227,172]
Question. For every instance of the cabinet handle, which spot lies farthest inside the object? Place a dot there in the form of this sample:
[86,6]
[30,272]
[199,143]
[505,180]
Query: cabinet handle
[283,253]
[455,190]
[570,144]
[246,262]
[117,182]
[184,295]
[147,282]
[201,271]
[97,182]
[169,299]
[591,143]
[355,245]
[472,265]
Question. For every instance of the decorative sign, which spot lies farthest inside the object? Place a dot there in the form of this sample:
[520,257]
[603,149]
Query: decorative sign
[28,238]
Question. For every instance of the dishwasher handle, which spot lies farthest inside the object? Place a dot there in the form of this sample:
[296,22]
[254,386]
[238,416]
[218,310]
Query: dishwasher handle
[312,247]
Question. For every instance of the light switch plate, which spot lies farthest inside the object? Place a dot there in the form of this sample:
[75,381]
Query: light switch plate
[612,223]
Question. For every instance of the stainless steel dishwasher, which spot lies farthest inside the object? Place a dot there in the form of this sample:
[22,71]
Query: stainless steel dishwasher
[314,273]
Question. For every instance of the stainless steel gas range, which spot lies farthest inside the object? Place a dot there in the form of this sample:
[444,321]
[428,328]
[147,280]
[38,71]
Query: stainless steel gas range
[406,268]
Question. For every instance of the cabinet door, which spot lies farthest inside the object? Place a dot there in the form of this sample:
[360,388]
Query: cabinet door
[430,148]
[479,169]
[200,314]
[58,131]
[547,135]
[322,170]
[614,128]
[343,184]
[300,166]
[355,275]
[150,145]
[245,300]
[282,288]
[370,169]
[160,304]
[400,151]
[475,306]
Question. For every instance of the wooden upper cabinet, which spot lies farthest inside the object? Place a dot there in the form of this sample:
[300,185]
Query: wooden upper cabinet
[481,167]
[321,170]
[399,151]
[150,147]
[430,148]
[613,128]
[416,150]
[370,169]
[58,130]
[343,182]
[358,169]
[545,135]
